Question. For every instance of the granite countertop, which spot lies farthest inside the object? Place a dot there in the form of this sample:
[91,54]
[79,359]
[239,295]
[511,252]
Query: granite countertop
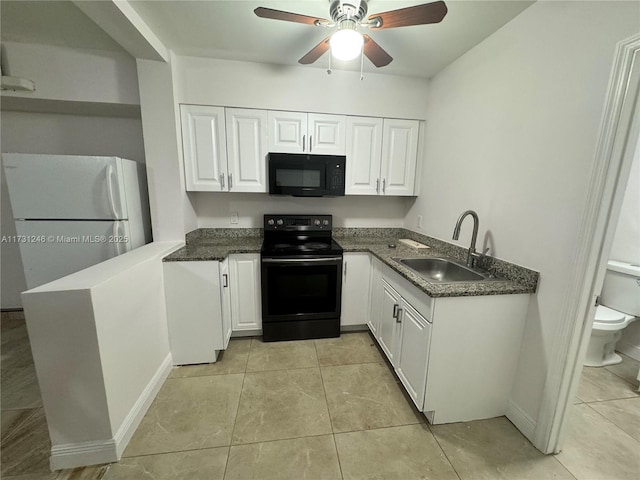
[216,249]
[378,247]
[209,245]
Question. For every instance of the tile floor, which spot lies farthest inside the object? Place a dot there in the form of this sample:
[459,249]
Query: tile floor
[323,409]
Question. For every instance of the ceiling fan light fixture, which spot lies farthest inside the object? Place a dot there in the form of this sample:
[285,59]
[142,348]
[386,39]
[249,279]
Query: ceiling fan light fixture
[346,44]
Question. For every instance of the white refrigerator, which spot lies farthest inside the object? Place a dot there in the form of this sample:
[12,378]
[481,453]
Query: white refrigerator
[72,212]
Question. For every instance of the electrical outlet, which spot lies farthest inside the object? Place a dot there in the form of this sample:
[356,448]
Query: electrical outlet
[234,217]
[419,221]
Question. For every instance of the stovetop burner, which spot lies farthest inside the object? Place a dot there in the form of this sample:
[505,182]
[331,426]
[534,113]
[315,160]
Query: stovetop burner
[294,235]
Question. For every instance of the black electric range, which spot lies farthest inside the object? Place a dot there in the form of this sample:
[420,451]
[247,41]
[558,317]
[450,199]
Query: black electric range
[301,270]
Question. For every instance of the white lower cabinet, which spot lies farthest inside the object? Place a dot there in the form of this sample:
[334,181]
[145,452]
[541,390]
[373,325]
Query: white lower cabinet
[356,269]
[455,356]
[413,352]
[375,304]
[244,278]
[389,327]
[225,295]
[194,311]
[404,335]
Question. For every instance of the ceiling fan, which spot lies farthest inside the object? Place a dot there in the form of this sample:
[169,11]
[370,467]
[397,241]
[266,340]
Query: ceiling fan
[347,16]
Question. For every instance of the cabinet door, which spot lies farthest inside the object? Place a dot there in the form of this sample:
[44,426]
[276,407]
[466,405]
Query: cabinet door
[225,294]
[192,294]
[244,274]
[327,134]
[287,131]
[413,353]
[364,153]
[356,269]
[247,149]
[375,304]
[399,156]
[204,148]
[389,327]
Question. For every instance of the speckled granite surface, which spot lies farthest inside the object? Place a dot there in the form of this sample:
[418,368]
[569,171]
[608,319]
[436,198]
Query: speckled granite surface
[217,244]
[378,246]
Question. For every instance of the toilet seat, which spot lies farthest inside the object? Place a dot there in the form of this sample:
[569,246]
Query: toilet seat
[607,319]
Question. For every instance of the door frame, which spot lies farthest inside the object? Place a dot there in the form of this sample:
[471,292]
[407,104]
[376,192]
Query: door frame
[617,144]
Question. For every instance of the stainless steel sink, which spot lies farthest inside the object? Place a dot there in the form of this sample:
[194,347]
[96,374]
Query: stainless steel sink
[444,270]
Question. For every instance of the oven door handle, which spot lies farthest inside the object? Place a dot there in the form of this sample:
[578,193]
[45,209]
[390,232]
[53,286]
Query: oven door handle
[302,260]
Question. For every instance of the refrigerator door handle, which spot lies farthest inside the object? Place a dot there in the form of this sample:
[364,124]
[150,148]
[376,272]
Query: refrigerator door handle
[115,237]
[110,192]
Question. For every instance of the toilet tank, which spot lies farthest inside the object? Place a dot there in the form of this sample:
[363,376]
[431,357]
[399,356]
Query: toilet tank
[621,289]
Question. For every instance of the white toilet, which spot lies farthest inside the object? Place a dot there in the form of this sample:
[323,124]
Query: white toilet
[619,306]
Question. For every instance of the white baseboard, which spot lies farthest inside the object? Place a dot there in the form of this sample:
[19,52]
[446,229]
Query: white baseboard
[629,349]
[136,414]
[521,420]
[71,455]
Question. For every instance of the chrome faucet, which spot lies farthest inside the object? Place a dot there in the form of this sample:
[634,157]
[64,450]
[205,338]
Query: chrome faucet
[472,255]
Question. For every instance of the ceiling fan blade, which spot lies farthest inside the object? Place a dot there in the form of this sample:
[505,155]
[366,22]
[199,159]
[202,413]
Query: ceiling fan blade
[287,16]
[404,17]
[374,52]
[316,52]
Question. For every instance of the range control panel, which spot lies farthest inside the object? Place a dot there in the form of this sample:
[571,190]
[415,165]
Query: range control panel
[298,222]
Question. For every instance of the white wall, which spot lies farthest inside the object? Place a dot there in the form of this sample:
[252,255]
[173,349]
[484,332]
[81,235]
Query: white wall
[254,85]
[215,209]
[511,132]
[172,214]
[29,132]
[73,74]
[49,133]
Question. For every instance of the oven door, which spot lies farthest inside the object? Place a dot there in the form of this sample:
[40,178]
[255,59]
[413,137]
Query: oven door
[301,288]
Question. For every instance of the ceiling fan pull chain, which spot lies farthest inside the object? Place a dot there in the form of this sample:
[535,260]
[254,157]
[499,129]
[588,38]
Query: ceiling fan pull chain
[361,64]
[329,71]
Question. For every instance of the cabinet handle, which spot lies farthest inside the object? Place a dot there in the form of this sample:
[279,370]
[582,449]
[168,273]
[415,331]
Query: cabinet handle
[395,311]
[345,269]
[225,279]
[310,143]
[303,139]
[377,185]
[399,317]
[230,181]
[384,184]
[222,180]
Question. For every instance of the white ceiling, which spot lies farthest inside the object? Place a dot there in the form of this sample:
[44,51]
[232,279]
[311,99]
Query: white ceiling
[230,30]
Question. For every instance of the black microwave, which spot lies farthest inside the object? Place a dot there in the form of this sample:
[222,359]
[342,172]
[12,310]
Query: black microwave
[303,175]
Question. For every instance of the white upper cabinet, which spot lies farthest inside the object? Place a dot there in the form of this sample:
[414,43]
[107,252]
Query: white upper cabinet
[298,132]
[226,149]
[247,150]
[399,156]
[204,147]
[287,131]
[327,134]
[364,153]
